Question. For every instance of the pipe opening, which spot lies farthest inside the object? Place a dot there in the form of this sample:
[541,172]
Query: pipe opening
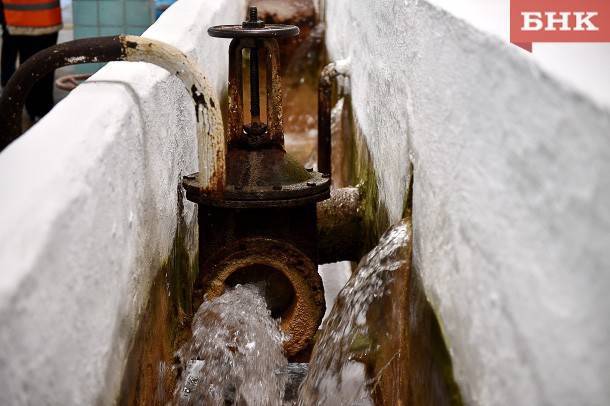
[277,288]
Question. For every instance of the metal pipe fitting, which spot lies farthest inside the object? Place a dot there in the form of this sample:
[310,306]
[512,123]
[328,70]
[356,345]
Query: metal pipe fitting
[340,226]
[263,230]
[327,76]
[211,145]
[340,217]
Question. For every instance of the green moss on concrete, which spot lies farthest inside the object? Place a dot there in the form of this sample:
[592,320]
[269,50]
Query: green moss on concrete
[164,326]
[361,172]
[180,268]
[442,358]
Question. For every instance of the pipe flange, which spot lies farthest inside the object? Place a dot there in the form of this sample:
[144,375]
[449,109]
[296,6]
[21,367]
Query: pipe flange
[301,318]
[314,189]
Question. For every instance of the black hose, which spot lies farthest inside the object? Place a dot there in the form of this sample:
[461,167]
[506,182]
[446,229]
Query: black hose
[89,50]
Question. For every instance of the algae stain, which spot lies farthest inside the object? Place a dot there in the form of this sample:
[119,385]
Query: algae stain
[357,168]
[148,378]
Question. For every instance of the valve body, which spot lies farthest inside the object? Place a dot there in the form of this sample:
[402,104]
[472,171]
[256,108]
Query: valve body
[261,227]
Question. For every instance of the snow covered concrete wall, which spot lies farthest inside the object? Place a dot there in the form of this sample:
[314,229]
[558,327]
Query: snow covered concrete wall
[88,213]
[511,196]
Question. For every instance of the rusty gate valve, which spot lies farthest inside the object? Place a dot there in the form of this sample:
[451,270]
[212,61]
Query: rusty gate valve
[259,173]
[262,227]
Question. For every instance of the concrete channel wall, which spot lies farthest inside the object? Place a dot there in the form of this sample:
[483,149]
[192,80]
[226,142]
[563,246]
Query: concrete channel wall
[88,214]
[511,201]
[511,196]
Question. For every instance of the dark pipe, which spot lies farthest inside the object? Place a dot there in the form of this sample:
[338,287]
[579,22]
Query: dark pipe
[324,111]
[328,74]
[340,226]
[103,49]
[255,109]
[130,48]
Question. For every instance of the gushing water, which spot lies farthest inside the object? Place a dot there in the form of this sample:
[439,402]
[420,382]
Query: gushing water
[235,354]
[340,367]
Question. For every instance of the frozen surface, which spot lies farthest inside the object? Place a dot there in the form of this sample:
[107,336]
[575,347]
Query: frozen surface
[88,214]
[511,219]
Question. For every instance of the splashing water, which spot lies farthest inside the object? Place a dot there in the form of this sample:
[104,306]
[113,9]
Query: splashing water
[339,370]
[235,355]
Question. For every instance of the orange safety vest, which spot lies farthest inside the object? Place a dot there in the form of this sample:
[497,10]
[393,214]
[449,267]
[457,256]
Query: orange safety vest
[32,17]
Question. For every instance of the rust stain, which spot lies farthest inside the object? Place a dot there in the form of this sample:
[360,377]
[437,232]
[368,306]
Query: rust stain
[129,44]
[150,374]
[198,97]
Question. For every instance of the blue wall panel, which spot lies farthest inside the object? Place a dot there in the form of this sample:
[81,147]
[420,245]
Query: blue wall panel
[95,18]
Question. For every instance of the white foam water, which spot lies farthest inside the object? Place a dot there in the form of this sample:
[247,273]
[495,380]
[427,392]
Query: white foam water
[337,371]
[235,355]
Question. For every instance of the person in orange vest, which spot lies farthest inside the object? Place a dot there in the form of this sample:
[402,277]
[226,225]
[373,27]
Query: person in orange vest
[32,25]
[9,52]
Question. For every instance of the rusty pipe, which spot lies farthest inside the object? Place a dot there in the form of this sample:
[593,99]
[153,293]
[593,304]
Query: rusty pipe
[340,226]
[327,76]
[210,136]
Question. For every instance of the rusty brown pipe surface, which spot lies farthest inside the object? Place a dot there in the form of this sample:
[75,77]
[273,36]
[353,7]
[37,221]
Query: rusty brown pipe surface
[41,64]
[325,87]
[340,226]
[210,134]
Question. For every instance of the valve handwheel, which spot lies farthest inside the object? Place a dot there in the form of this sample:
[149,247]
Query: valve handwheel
[254,28]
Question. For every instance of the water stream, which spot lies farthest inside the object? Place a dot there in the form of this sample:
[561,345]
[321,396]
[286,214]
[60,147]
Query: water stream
[235,354]
[342,368]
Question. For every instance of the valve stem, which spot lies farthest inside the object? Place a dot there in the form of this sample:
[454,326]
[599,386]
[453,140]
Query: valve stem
[255,108]
[253,14]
